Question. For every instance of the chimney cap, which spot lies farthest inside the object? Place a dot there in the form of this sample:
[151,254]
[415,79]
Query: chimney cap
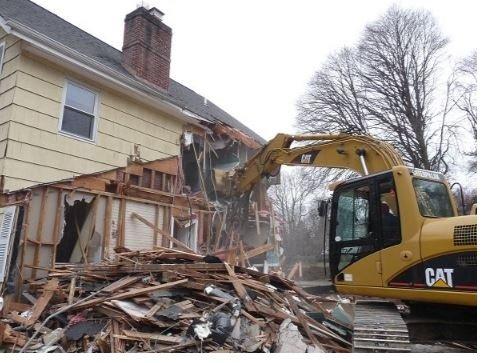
[156,12]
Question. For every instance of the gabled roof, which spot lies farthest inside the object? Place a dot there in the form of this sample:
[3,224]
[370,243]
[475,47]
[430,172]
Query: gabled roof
[52,26]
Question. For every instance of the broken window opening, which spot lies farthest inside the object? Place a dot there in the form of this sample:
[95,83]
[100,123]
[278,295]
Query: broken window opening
[185,230]
[75,226]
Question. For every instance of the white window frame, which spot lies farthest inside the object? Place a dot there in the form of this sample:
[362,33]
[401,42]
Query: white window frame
[93,140]
[3,45]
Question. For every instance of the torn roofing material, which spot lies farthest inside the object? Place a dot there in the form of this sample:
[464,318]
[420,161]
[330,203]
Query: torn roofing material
[52,26]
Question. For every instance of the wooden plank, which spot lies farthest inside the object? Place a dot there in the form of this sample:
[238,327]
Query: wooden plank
[239,288]
[256,216]
[160,231]
[220,230]
[21,259]
[166,339]
[121,223]
[56,229]
[121,283]
[43,300]
[259,250]
[156,224]
[93,214]
[157,306]
[107,227]
[40,224]
[70,299]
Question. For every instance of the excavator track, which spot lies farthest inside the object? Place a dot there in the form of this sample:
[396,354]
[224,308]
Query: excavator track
[378,327]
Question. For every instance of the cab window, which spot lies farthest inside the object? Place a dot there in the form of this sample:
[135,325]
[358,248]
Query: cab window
[353,214]
[389,214]
[432,198]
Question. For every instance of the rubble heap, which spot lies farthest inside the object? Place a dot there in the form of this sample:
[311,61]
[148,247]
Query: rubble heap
[167,300]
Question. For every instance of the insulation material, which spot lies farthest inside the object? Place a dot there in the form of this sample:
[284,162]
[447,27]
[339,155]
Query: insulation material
[139,236]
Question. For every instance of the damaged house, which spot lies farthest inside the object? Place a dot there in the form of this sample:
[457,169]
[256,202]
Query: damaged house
[101,150]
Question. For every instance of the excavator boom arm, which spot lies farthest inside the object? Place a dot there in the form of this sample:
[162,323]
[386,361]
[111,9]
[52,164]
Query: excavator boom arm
[359,153]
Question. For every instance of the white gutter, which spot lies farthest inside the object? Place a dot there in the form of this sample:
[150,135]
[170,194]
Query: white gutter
[55,52]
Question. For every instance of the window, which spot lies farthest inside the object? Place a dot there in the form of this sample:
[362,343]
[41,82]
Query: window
[2,52]
[353,238]
[389,215]
[79,112]
[432,198]
[353,214]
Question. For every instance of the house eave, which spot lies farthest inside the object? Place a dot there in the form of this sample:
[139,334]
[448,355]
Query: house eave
[57,53]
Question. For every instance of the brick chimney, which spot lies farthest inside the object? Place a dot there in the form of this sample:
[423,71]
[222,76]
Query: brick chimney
[146,52]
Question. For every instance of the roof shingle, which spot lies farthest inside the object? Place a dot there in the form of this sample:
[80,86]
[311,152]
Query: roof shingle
[54,27]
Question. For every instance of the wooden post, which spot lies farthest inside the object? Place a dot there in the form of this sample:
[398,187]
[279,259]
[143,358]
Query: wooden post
[40,225]
[107,227]
[22,243]
[121,223]
[156,224]
[256,215]
[220,231]
[56,230]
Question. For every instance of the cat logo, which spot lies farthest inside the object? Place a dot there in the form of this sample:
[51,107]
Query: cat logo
[306,158]
[440,277]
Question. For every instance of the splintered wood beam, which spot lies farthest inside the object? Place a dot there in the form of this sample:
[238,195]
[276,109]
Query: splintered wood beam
[166,339]
[302,321]
[43,300]
[259,250]
[239,288]
[162,233]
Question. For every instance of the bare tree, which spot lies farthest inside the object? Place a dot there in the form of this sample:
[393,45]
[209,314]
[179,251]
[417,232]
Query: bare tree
[295,201]
[465,98]
[333,102]
[387,86]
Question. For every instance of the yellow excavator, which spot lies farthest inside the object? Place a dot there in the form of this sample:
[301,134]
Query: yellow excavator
[394,232]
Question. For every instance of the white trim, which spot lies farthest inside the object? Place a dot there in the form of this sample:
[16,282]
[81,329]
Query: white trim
[95,114]
[3,46]
[4,25]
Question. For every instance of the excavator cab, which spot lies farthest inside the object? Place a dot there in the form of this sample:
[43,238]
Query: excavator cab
[392,234]
[364,218]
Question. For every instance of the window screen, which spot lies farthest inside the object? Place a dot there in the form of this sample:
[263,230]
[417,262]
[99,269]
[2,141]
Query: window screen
[79,111]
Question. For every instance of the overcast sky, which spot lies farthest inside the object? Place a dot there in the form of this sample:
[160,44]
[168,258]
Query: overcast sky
[254,58]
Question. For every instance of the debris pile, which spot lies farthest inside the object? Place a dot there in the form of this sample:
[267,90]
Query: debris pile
[167,300]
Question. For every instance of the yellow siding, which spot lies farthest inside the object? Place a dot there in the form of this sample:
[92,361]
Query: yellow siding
[31,92]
